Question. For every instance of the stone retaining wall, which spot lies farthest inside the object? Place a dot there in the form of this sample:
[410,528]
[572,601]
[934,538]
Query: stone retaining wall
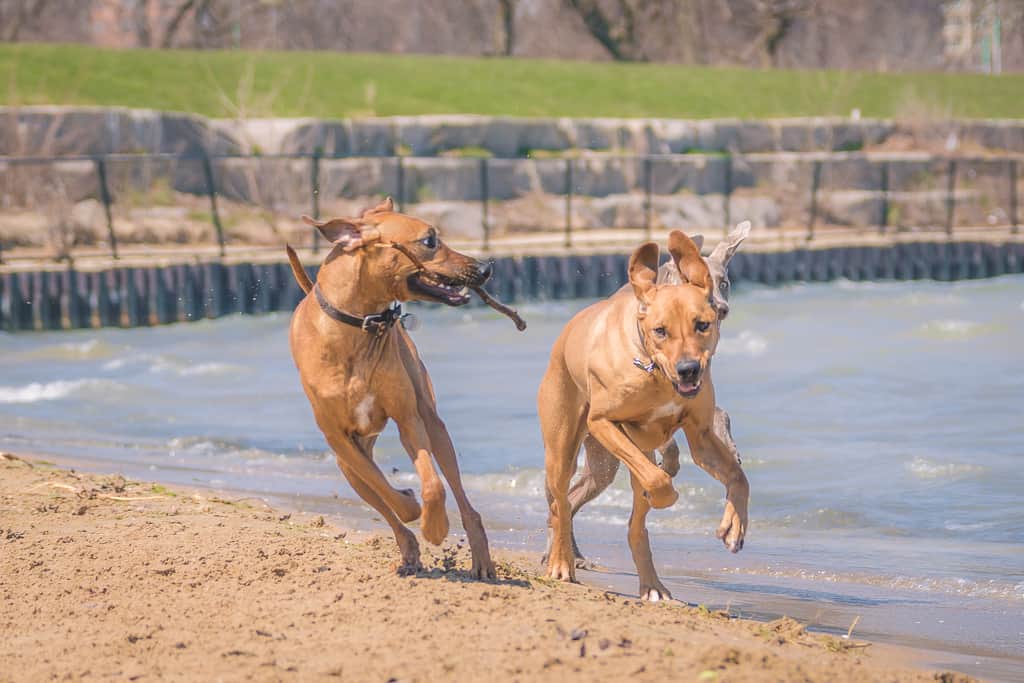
[67,130]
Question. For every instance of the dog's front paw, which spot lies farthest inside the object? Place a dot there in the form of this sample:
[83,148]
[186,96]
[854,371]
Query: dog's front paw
[562,569]
[733,528]
[410,549]
[483,569]
[434,522]
[654,591]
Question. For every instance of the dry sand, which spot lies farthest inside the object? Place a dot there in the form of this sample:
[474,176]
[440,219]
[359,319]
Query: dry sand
[103,578]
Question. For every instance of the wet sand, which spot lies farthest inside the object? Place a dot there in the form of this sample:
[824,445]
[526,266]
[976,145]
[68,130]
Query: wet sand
[103,577]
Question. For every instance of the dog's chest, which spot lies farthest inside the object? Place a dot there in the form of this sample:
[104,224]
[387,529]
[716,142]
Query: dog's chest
[363,415]
[669,410]
[365,409]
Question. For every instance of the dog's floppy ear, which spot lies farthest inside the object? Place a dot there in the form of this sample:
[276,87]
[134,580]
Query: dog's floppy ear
[725,249]
[686,254]
[343,232]
[643,270]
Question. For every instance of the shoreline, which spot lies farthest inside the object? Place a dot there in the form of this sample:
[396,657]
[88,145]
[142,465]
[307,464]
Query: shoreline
[207,584]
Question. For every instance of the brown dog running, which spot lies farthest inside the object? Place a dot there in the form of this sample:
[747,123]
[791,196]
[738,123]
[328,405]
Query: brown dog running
[630,371]
[600,466]
[359,368]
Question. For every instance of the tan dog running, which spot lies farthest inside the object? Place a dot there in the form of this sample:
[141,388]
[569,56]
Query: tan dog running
[630,371]
[359,368]
[600,466]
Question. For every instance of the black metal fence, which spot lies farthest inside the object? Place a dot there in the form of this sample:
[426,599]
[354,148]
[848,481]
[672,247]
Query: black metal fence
[882,193]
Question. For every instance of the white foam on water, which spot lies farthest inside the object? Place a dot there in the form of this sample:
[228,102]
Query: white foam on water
[950,585]
[83,349]
[952,328]
[525,482]
[50,391]
[746,343]
[208,369]
[930,469]
[164,364]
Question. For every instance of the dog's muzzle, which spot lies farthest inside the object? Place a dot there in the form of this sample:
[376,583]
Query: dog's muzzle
[453,291]
[688,382]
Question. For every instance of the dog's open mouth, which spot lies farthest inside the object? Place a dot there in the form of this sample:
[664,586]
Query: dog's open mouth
[686,389]
[439,288]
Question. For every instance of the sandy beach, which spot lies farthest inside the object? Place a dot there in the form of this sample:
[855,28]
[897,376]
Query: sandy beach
[102,577]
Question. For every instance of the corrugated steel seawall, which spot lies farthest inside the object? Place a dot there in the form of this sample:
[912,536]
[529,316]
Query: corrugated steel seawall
[140,296]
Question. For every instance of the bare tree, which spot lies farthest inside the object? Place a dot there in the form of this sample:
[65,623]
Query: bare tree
[16,14]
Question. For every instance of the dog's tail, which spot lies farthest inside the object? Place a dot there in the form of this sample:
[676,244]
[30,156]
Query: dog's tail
[301,276]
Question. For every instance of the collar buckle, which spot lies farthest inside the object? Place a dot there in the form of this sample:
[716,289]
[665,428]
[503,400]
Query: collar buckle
[379,323]
[646,367]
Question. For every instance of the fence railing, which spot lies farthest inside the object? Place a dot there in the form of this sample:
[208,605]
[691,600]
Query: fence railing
[881,193]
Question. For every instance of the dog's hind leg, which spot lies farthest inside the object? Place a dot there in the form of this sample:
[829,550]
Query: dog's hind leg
[670,457]
[562,414]
[651,587]
[599,469]
[405,538]
[403,503]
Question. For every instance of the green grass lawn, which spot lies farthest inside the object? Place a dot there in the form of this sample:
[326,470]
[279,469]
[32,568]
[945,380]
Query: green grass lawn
[327,84]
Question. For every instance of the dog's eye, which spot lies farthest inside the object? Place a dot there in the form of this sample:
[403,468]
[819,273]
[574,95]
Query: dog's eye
[724,286]
[430,241]
[660,332]
[702,326]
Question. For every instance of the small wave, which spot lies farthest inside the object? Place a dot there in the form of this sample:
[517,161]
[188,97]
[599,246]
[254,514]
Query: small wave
[52,391]
[929,469]
[952,329]
[205,447]
[83,350]
[992,589]
[526,482]
[164,364]
[746,343]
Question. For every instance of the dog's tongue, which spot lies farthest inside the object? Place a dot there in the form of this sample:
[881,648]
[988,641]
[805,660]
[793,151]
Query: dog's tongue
[500,307]
[687,387]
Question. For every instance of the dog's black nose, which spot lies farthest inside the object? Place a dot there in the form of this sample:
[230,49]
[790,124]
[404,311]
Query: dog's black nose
[486,271]
[723,310]
[688,370]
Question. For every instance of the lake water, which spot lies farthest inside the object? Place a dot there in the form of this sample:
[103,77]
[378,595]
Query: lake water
[881,427]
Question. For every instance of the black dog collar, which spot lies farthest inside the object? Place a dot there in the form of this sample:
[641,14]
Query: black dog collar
[375,323]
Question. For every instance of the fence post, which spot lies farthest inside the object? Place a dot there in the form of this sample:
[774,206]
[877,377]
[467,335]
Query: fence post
[568,202]
[400,181]
[484,201]
[883,221]
[211,190]
[1014,222]
[950,195]
[815,184]
[648,173]
[101,173]
[727,198]
[314,183]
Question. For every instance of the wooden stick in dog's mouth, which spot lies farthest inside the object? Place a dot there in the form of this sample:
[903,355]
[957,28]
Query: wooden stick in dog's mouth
[500,307]
[481,292]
